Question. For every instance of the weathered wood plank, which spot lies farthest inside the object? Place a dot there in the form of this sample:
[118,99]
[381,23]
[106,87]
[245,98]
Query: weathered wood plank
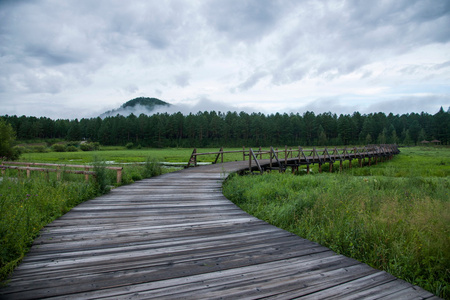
[176,236]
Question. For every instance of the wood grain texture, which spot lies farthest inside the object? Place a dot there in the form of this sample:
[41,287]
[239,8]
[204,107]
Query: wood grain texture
[177,237]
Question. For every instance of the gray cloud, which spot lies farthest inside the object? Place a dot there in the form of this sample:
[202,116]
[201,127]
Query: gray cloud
[182,79]
[184,50]
[428,103]
[251,81]
[246,21]
[340,41]
[395,105]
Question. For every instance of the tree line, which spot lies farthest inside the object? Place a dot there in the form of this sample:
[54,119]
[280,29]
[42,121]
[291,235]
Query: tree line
[232,129]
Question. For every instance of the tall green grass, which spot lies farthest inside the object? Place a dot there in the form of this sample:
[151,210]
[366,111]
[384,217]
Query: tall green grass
[394,216]
[28,204]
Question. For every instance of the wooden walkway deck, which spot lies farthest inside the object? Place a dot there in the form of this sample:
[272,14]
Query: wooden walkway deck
[177,237]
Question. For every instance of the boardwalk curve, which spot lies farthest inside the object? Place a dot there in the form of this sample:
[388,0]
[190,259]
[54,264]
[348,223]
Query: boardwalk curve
[176,236]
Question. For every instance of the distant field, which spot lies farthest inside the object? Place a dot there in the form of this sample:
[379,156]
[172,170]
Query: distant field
[117,155]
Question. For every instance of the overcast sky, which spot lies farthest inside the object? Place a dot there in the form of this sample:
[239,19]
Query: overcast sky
[79,58]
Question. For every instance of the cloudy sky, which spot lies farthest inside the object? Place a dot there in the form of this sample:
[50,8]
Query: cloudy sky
[79,58]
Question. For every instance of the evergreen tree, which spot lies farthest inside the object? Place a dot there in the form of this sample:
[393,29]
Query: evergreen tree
[7,138]
[422,136]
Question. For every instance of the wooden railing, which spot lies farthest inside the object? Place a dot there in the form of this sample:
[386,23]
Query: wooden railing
[58,169]
[280,159]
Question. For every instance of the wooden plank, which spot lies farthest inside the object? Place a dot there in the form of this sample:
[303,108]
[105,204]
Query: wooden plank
[150,240]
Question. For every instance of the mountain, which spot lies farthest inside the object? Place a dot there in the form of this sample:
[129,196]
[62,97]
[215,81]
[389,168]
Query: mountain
[137,106]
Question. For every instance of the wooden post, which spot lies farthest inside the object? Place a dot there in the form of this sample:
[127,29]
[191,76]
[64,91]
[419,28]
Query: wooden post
[331,166]
[243,153]
[28,171]
[58,173]
[320,167]
[249,160]
[285,154]
[350,163]
[260,152]
[307,169]
[340,165]
[86,175]
[119,175]
[299,154]
[271,156]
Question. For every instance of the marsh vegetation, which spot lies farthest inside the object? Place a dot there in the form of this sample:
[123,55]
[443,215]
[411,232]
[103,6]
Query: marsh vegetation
[394,216]
[28,204]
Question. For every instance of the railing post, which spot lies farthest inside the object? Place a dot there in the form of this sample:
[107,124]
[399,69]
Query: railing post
[299,154]
[86,175]
[250,160]
[243,153]
[119,175]
[193,158]
[271,156]
[285,154]
[58,173]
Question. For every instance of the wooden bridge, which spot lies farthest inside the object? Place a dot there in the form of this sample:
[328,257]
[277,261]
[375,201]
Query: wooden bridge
[176,236]
[294,158]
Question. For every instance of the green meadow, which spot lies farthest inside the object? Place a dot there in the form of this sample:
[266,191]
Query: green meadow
[394,216]
[123,155]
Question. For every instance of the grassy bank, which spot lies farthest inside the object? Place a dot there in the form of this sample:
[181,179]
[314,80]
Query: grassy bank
[27,205]
[394,216]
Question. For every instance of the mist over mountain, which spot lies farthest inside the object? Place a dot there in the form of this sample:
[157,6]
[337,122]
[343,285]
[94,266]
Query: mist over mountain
[137,106]
[150,106]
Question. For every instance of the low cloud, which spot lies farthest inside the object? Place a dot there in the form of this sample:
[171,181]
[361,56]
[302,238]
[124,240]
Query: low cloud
[193,51]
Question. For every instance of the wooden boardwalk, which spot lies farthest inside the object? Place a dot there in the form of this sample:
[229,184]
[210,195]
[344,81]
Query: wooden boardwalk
[177,237]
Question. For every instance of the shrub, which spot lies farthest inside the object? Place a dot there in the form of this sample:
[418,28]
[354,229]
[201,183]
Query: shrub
[39,149]
[86,147]
[90,146]
[59,148]
[101,176]
[129,145]
[72,149]
[152,167]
